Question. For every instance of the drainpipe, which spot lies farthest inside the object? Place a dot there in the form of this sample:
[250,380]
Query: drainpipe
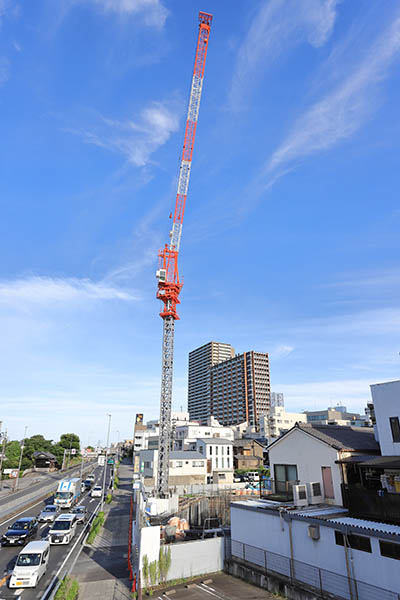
[350,567]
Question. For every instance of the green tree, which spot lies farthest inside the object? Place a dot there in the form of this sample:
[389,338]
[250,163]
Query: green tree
[34,444]
[70,440]
[12,452]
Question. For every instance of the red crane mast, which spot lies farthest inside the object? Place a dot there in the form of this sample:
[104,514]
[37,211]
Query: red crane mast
[169,285]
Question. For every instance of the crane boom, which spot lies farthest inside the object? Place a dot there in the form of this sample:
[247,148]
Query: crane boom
[169,285]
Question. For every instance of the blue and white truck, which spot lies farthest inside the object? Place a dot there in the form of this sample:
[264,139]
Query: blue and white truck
[68,492]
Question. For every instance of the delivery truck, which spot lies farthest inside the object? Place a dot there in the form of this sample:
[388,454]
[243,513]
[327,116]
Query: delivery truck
[68,492]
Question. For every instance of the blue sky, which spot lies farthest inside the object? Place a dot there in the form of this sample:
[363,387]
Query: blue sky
[291,237]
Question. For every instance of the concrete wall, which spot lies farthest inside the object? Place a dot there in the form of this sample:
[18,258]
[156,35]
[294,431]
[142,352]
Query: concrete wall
[196,558]
[149,543]
[386,398]
[309,454]
[270,532]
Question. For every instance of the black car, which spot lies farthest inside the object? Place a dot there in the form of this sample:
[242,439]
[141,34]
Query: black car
[22,531]
[88,484]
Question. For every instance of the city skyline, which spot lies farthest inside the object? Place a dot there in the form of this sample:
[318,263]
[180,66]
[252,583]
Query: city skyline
[290,240]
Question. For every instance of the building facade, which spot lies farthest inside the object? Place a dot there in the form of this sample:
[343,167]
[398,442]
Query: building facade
[278,422]
[219,455]
[337,415]
[240,388]
[200,361]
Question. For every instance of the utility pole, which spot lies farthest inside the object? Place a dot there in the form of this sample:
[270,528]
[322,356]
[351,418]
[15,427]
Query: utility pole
[105,463]
[3,437]
[20,459]
[118,446]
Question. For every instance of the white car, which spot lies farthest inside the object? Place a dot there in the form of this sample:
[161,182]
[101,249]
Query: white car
[96,491]
[91,477]
[63,529]
[31,565]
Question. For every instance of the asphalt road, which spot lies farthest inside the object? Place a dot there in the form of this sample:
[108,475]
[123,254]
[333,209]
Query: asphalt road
[60,556]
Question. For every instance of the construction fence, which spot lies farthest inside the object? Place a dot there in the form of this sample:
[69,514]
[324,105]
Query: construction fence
[324,583]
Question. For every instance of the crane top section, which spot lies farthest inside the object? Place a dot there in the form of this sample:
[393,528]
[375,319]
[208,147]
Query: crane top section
[168,277]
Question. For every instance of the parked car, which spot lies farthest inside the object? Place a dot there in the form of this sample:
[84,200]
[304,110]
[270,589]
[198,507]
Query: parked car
[80,513]
[22,531]
[48,514]
[63,529]
[96,491]
[31,565]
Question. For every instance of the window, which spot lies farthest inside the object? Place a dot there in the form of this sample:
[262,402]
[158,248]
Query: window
[216,449]
[216,463]
[227,463]
[178,463]
[222,462]
[201,449]
[395,427]
[357,542]
[389,549]
[210,450]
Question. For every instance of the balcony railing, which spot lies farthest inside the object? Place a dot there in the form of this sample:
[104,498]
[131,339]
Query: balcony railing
[365,503]
[282,491]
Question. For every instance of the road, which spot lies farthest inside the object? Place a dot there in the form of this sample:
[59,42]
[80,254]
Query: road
[220,586]
[60,556]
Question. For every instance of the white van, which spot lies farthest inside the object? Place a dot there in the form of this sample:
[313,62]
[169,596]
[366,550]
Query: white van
[63,529]
[31,565]
[253,476]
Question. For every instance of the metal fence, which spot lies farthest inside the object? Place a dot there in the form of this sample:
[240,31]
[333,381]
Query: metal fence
[325,583]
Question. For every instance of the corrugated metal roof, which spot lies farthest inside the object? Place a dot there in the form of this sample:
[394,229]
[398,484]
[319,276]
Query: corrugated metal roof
[320,511]
[368,525]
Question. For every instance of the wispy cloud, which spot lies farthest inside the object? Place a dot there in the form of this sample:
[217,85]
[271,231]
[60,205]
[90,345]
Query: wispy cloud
[344,109]
[378,280]
[135,140]
[46,290]
[276,28]
[4,70]
[281,351]
[153,12]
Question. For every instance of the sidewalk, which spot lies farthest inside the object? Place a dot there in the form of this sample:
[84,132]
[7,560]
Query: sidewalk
[102,569]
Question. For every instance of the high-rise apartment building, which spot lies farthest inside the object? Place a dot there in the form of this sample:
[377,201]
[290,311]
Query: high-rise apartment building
[200,362]
[240,389]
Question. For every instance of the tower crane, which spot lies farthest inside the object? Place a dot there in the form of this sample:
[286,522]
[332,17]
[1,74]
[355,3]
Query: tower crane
[169,284]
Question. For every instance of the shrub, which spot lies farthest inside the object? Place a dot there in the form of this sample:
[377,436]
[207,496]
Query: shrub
[109,499]
[95,528]
[68,589]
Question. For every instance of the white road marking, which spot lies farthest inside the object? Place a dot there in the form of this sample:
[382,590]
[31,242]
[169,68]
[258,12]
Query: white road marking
[21,513]
[18,592]
[44,525]
[204,587]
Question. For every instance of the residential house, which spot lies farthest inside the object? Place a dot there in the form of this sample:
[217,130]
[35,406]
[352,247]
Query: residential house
[248,454]
[312,453]
[185,468]
[186,434]
[219,455]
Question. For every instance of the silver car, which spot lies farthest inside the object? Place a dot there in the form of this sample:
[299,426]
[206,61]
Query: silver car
[48,514]
[80,513]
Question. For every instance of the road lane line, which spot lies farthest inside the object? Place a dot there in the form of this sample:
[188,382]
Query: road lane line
[49,587]
[20,513]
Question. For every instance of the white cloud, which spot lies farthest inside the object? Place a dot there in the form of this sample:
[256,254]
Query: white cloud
[153,12]
[46,290]
[135,140]
[281,351]
[345,109]
[278,26]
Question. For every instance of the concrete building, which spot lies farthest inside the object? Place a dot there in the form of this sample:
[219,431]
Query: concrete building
[337,415]
[313,453]
[240,388]
[185,435]
[386,401]
[278,422]
[200,361]
[185,468]
[277,399]
[320,551]
[219,455]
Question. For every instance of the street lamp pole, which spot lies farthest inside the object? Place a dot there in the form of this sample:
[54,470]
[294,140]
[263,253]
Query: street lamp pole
[118,446]
[20,459]
[105,462]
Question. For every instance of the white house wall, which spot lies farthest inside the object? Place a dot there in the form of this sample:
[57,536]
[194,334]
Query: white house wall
[309,454]
[270,532]
[386,398]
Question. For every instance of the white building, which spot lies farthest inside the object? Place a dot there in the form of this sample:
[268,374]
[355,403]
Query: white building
[317,547]
[185,468]
[311,453]
[386,399]
[219,455]
[185,435]
[279,422]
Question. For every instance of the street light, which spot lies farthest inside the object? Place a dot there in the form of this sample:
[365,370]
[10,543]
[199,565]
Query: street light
[105,463]
[20,459]
[118,446]
[3,439]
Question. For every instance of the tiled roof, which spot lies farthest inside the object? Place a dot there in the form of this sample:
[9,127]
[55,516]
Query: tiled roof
[342,437]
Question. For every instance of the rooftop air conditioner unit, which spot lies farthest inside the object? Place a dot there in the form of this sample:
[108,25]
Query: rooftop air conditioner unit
[315,492]
[300,495]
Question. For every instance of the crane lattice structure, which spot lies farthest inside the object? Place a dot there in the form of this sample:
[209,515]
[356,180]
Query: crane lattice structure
[169,285]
